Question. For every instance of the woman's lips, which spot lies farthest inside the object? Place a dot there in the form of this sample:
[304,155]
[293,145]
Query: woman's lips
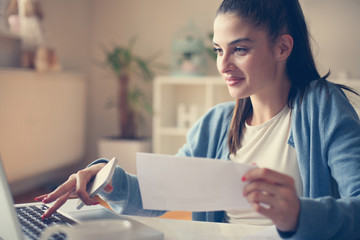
[232,81]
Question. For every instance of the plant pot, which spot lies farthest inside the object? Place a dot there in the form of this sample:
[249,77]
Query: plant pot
[124,150]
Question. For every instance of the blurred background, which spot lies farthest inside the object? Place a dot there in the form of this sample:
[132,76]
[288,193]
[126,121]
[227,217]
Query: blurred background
[74,111]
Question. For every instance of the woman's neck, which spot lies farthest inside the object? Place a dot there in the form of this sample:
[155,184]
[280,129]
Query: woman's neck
[266,106]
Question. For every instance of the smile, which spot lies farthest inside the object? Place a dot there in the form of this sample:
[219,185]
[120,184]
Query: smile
[232,81]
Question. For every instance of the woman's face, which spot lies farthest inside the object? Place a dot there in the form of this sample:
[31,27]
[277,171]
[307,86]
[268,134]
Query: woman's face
[245,57]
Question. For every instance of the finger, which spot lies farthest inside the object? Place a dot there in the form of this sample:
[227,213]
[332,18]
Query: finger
[264,204]
[264,209]
[284,214]
[82,179]
[40,198]
[58,203]
[108,188]
[277,202]
[261,187]
[273,194]
[64,188]
[269,176]
[261,197]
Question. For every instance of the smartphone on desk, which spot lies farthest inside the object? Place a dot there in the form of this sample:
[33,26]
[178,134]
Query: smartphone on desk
[99,181]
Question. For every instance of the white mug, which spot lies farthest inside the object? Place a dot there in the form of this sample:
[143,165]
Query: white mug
[109,229]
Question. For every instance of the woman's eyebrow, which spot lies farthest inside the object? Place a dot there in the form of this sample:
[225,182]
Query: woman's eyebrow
[236,41]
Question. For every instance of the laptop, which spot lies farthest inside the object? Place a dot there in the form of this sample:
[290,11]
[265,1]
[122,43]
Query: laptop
[23,221]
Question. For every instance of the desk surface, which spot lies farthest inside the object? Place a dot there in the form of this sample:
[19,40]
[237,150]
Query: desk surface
[188,230]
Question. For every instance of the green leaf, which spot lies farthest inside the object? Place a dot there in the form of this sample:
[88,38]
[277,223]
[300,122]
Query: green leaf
[122,61]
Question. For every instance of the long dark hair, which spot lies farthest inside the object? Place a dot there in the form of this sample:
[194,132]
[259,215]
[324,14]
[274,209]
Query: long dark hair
[276,17]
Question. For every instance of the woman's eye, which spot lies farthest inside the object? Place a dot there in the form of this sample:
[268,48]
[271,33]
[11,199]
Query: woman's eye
[218,51]
[240,51]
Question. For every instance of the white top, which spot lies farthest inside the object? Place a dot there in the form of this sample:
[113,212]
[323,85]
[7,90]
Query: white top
[266,145]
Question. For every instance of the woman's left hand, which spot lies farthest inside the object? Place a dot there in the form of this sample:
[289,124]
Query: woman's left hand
[274,195]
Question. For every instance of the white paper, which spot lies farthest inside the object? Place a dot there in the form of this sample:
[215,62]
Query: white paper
[190,184]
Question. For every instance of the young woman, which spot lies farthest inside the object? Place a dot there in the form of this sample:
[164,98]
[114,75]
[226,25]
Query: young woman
[297,127]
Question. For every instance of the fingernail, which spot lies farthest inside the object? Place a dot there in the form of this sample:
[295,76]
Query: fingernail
[243,179]
[43,216]
[36,199]
[96,203]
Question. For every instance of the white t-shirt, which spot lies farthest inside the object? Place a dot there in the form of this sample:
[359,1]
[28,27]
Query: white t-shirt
[266,145]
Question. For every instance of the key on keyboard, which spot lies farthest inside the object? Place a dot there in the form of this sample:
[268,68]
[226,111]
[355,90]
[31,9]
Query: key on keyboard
[32,224]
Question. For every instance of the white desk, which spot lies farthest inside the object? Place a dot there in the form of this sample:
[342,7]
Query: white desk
[191,230]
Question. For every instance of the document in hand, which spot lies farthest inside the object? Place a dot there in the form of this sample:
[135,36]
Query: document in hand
[190,184]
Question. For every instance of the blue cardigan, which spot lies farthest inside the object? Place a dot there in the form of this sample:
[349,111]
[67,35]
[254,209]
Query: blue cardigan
[325,131]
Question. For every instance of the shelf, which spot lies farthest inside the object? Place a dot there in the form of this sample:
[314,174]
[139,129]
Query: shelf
[8,34]
[180,101]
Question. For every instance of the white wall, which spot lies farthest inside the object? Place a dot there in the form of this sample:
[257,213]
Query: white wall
[67,29]
[78,28]
[155,23]
[334,25]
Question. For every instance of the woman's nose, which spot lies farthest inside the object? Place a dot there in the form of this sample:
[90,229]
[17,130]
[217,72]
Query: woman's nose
[224,64]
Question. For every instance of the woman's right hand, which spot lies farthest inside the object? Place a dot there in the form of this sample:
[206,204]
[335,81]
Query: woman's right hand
[75,186]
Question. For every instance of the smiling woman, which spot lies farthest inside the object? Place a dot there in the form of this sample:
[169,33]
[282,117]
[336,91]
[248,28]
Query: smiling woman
[267,63]
[250,63]
[299,128]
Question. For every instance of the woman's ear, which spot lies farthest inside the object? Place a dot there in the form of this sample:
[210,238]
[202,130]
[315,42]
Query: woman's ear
[284,46]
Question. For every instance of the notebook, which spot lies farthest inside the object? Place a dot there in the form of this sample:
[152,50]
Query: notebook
[19,222]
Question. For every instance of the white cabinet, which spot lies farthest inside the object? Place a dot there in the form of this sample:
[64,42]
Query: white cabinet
[178,102]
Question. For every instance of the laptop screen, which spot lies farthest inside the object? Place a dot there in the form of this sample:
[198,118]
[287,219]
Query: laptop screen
[9,225]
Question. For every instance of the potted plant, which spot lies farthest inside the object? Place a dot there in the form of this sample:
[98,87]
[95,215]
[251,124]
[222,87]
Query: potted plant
[131,102]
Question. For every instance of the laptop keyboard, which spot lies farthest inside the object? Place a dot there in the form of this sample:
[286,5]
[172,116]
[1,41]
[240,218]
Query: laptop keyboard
[32,224]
